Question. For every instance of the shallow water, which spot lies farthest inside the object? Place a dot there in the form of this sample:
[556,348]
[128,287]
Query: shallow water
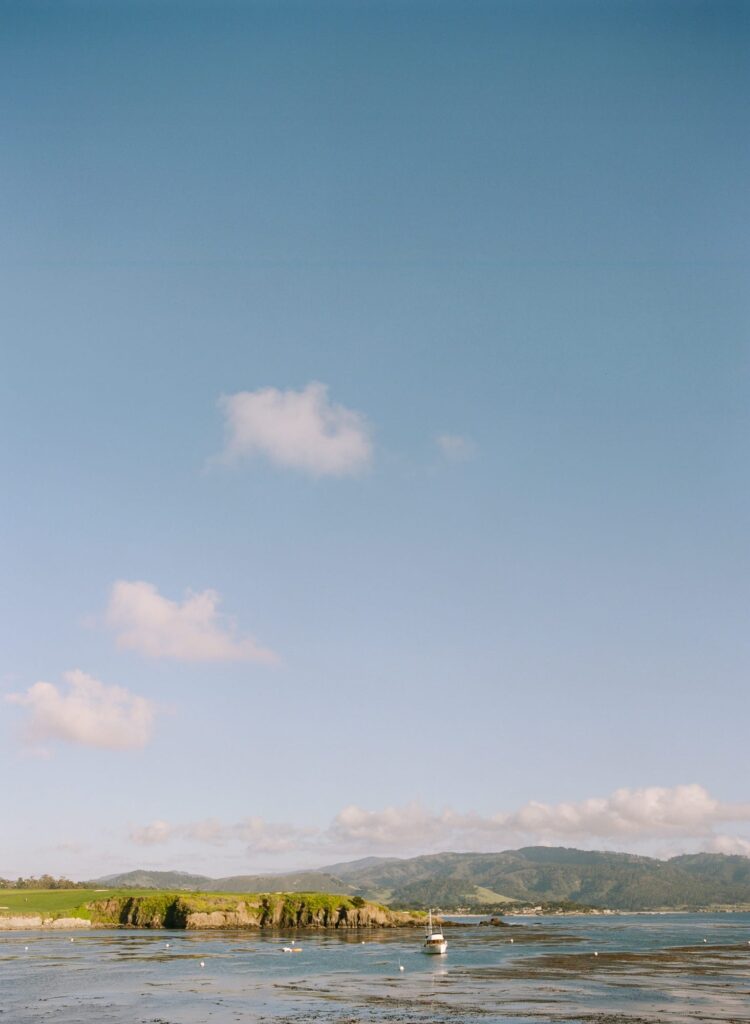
[655,968]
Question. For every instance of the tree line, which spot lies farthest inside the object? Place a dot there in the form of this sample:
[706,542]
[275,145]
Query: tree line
[43,882]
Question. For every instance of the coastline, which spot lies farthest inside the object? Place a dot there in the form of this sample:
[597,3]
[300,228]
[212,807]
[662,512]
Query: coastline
[34,922]
[201,911]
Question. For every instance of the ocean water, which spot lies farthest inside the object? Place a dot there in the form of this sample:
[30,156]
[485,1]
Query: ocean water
[637,968]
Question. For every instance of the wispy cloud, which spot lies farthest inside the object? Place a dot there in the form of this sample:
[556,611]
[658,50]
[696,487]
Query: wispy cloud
[192,630]
[153,834]
[256,834]
[650,812]
[455,447]
[639,814]
[628,817]
[299,430]
[730,845]
[87,713]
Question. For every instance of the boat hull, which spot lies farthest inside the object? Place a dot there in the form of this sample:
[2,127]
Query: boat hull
[436,948]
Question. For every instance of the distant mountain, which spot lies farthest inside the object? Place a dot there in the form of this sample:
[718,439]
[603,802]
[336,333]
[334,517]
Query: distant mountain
[535,874]
[734,870]
[172,880]
[554,874]
[352,867]
[294,881]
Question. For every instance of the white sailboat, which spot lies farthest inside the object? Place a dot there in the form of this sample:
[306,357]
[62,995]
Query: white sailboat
[434,940]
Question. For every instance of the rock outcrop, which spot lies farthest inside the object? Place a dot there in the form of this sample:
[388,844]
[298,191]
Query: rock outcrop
[29,921]
[269,911]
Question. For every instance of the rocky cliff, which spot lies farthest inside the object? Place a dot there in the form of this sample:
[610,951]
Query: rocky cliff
[273,910]
[18,922]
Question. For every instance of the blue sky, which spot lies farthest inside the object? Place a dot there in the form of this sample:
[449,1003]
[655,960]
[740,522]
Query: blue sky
[509,240]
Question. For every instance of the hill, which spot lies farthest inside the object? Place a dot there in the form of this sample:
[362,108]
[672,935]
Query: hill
[554,875]
[180,881]
[534,874]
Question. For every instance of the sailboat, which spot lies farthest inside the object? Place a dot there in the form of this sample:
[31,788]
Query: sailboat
[434,940]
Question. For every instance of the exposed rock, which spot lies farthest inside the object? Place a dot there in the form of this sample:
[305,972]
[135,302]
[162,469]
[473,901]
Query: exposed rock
[20,921]
[276,910]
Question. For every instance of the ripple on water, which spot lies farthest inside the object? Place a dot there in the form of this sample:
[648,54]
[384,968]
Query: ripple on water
[655,970]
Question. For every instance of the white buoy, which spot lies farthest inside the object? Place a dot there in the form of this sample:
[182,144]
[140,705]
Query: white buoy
[595,953]
[512,940]
[202,964]
[26,948]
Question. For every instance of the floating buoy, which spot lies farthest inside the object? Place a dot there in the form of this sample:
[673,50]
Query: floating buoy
[26,948]
[512,940]
[202,964]
[167,945]
[595,953]
[401,967]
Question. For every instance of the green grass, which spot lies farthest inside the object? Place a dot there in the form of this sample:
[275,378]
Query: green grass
[51,902]
[58,902]
[483,895]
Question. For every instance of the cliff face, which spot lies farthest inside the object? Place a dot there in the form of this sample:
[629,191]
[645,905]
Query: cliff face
[26,921]
[278,910]
[289,913]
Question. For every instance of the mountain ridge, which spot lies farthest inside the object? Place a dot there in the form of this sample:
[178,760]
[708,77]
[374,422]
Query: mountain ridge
[534,874]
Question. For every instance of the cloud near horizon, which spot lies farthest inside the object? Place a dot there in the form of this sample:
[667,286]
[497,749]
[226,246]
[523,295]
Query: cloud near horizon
[193,630]
[730,845]
[257,835]
[299,430]
[629,816]
[89,714]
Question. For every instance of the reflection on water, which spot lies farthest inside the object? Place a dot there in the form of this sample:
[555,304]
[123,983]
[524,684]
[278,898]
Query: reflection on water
[640,968]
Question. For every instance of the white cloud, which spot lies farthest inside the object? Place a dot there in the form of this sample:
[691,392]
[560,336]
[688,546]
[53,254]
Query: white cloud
[653,811]
[627,818]
[193,630]
[730,845]
[257,835]
[88,713]
[210,830]
[262,836]
[392,827]
[627,814]
[456,448]
[153,834]
[297,429]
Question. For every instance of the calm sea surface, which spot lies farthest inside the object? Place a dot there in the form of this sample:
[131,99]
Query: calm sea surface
[647,968]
